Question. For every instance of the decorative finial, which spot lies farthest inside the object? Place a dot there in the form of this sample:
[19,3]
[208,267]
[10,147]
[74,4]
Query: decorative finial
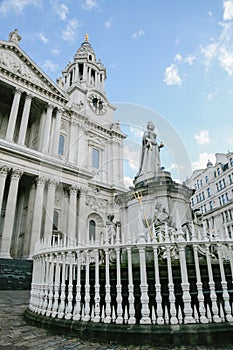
[14,36]
[86,37]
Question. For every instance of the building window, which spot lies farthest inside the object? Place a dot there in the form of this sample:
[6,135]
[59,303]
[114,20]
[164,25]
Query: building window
[55,220]
[95,158]
[201,183]
[217,187]
[192,201]
[206,179]
[208,192]
[224,183]
[231,161]
[61,145]
[218,171]
[92,228]
[211,205]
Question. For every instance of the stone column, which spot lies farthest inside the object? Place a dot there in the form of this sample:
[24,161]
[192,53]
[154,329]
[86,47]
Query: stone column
[24,121]
[47,127]
[82,227]
[57,132]
[72,143]
[72,216]
[13,115]
[3,174]
[10,214]
[49,210]
[37,214]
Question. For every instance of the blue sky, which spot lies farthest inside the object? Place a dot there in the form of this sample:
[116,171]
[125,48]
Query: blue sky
[169,61]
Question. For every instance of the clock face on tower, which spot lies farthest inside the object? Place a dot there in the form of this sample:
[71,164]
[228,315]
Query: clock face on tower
[97,104]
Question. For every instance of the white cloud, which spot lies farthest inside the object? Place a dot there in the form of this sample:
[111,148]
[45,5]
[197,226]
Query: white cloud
[43,38]
[128,181]
[212,94]
[171,76]
[136,132]
[226,60]
[131,155]
[203,137]
[16,6]
[55,52]
[108,23]
[69,33]
[89,4]
[228,10]
[61,10]
[209,51]
[49,65]
[138,34]
[203,160]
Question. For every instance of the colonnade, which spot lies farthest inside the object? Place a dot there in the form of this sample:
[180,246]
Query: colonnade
[43,208]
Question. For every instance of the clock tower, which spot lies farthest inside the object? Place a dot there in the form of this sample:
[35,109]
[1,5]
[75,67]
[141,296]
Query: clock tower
[84,81]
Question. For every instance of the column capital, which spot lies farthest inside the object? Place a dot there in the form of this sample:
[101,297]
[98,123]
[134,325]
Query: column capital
[4,169]
[28,96]
[53,182]
[73,189]
[18,90]
[16,173]
[40,180]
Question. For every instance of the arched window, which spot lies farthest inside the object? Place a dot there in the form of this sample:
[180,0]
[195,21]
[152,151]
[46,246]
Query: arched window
[92,227]
[55,220]
[61,145]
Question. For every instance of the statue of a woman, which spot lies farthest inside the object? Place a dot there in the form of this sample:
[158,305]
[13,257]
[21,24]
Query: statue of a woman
[150,155]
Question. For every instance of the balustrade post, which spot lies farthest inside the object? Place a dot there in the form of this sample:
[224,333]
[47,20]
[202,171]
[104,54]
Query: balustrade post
[77,308]
[50,287]
[225,294]
[87,297]
[46,284]
[96,317]
[56,286]
[213,296]
[200,295]
[69,306]
[119,319]
[61,309]
[158,295]
[107,318]
[131,299]
[145,319]
[188,312]
[172,298]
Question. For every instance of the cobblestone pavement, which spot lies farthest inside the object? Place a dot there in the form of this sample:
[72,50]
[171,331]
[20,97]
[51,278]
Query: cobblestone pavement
[16,334]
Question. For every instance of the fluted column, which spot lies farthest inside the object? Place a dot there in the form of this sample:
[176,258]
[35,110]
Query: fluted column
[37,214]
[3,174]
[72,215]
[47,127]
[57,131]
[24,121]
[49,210]
[13,115]
[82,238]
[10,214]
[72,143]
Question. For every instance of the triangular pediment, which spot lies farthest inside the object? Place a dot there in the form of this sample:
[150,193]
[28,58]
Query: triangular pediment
[14,60]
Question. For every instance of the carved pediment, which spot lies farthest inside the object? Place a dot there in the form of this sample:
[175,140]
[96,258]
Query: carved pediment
[16,62]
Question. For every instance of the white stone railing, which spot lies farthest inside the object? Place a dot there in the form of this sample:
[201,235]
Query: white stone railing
[174,279]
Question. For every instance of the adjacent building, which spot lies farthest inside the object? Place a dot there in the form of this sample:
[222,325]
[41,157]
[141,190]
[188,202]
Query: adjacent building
[213,195]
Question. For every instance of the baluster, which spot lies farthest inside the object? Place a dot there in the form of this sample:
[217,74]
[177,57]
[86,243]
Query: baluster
[144,288]
[36,284]
[56,286]
[213,296]
[132,319]
[153,315]
[158,295]
[119,319]
[87,297]
[200,295]
[188,312]
[172,298]
[77,308]
[45,298]
[107,318]
[50,287]
[225,294]
[33,292]
[69,306]
[42,285]
[61,308]
[97,288]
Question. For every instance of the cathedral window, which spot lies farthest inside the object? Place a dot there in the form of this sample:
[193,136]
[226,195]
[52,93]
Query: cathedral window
[61,145]
[92,229]
[95,158]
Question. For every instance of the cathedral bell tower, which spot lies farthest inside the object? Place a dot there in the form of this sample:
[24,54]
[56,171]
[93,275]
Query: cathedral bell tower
[83,80]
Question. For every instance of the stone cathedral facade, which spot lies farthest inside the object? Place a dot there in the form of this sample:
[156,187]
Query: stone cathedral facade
[60,151]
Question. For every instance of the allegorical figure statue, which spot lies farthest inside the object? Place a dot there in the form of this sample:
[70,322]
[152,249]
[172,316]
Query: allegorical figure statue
[150,156]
